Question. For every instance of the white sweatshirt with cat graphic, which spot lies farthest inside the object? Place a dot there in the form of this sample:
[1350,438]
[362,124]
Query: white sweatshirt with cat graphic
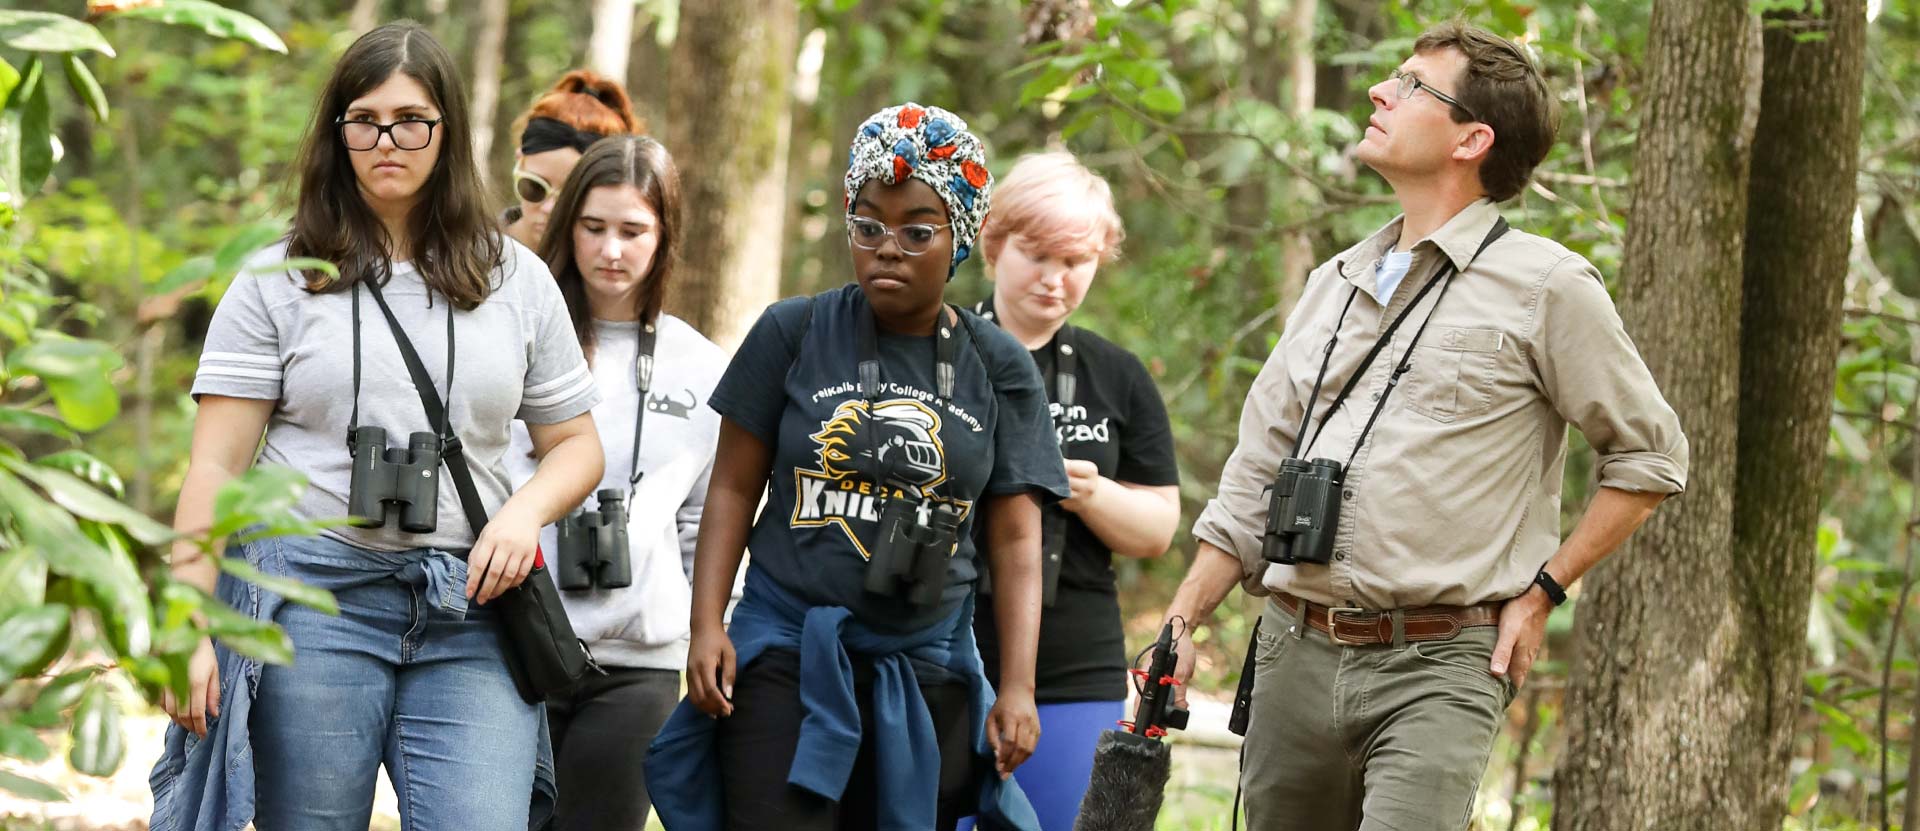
[645,625]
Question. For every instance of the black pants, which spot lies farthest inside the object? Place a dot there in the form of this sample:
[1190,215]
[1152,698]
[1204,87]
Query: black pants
[601,730]
[757,745]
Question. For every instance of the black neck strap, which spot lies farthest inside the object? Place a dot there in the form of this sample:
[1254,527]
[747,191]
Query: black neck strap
[451,453]
[1444,279]
[442,422]
[1062,379]
[946,347]
[642,381]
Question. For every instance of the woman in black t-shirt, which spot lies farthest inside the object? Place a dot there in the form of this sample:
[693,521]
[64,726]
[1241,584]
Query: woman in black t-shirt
[882,425]
[1053,226]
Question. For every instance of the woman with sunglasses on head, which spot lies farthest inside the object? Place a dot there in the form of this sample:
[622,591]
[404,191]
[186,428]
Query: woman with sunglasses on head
[1053,226]
[882,425]
[581,109]
[411,673]
[624,562]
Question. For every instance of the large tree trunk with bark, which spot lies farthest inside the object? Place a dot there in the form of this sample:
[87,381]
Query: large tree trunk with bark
[1799,218]
[1672,695]
[727,124]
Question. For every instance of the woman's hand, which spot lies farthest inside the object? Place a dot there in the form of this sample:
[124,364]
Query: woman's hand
[503,556]
[1083,480]
[710,670]
[1013,729]
[203,697]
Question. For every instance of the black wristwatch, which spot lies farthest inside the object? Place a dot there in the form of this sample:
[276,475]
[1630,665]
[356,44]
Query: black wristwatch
[1551,586]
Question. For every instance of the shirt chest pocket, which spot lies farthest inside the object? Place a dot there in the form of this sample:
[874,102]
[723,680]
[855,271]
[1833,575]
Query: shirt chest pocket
[1455,371]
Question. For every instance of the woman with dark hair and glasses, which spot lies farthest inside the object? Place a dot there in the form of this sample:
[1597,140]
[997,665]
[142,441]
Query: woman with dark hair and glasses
[581,109]
[882,424]
[411,672]
[613,247]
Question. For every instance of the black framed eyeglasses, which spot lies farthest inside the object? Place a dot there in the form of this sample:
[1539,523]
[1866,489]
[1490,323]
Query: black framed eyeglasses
[870,234]
[1409,83]
[407,133]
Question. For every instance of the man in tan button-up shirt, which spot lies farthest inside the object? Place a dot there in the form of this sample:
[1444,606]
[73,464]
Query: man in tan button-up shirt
[1380,676]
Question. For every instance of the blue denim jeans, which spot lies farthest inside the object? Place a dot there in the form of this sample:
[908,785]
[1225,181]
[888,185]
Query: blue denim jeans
[402,677]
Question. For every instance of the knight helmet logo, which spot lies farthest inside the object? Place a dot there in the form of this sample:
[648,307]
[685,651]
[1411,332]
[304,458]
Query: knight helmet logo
[899,441]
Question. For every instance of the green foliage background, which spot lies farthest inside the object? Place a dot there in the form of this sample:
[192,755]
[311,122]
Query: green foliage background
[172,162]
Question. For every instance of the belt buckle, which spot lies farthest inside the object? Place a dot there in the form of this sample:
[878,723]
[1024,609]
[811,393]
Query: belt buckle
[1333,624]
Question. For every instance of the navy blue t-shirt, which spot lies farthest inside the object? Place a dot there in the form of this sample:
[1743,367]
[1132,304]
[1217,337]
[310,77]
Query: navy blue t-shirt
[798,391]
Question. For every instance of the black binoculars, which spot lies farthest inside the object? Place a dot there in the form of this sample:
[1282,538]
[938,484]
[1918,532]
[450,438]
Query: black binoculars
[593,546]
[1303,512]
[408,476]
[910,557]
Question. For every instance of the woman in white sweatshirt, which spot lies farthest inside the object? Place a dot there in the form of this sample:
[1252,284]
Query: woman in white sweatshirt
[611,245]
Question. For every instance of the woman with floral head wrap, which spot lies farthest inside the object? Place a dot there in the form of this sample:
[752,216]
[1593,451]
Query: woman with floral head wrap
[882,424]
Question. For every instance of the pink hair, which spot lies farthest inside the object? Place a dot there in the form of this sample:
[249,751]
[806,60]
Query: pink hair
[1057,207]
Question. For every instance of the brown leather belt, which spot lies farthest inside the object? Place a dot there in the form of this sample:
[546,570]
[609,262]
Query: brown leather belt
[1350,626]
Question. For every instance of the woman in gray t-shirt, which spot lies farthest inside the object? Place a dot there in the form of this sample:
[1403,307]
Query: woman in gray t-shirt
[410,673]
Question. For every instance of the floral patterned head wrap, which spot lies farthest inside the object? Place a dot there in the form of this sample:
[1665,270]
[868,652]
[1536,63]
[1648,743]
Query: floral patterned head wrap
[930,144]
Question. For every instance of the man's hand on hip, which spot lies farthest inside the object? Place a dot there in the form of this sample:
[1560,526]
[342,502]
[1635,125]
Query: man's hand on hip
[1523,627]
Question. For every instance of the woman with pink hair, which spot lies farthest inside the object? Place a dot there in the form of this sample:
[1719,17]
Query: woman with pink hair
[1053,226]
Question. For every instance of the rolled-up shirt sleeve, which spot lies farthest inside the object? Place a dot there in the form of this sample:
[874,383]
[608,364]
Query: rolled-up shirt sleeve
[1235,518]
[1594,375]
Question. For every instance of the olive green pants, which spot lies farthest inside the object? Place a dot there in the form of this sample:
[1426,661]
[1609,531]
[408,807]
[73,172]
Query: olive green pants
[1375,738]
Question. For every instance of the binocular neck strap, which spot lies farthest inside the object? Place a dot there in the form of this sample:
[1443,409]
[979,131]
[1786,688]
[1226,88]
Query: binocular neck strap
[642,381]
[946,348]
[451,453]
[1065,359]
[437,416]
[1444,278]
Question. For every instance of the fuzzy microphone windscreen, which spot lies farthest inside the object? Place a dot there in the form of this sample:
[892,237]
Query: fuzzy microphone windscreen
[1129,782]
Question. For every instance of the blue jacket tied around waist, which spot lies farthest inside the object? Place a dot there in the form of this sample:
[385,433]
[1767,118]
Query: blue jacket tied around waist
[683,768]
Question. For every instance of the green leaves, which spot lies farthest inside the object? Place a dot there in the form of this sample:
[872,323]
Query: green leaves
[225,262]
[56,697]
[31,639]
[30,788]
[77,373]
[264,494]
[70,552]
[293,590]
[215,20]
[85,85]
[75,495]
[48,32]
[29,421]
[258,639]
[98,744]
[26,147]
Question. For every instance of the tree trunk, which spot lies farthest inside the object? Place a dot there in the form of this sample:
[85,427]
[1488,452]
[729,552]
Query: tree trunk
[1296,251]
[647,73]
[1800,209]
[1672,695]
[487,49]
[612,37]
[365,16]
[727,124]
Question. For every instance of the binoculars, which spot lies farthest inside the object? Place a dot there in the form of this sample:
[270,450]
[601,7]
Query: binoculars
[1303,512]
[593,546]
[409,477]
[910,557]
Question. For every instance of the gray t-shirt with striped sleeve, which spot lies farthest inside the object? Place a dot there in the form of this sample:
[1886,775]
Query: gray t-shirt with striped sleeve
[515,357]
